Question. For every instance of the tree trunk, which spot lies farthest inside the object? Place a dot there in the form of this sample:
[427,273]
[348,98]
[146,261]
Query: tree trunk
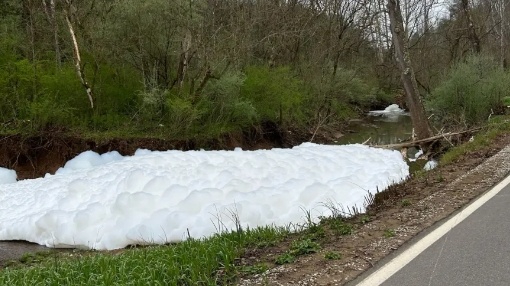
[52,19]
[413,99]
[473,37]
[183,65]
[77,57]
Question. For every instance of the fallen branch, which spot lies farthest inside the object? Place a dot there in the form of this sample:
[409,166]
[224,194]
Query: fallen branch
[426,140]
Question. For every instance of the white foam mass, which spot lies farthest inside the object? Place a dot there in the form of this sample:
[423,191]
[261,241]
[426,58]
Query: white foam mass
[108,201]
[430,165]
[391,110]
[7,176]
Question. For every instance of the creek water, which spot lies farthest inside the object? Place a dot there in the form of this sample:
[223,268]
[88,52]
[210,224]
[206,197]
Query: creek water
[381,130]
[381,127]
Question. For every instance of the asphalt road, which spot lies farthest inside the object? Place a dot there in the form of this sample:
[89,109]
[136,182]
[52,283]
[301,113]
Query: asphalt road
[475,252]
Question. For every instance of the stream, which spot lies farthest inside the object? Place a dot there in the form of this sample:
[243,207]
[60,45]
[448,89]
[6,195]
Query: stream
[381,130]
[382,127]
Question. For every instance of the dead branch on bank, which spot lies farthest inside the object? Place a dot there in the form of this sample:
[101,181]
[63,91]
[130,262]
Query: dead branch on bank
[417,143]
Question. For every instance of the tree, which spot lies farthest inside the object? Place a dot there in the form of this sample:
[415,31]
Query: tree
[413,99]
[473,36]
[77,56]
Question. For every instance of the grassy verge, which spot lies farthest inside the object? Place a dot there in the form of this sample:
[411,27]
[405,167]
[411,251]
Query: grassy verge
[497,126]
[210,261]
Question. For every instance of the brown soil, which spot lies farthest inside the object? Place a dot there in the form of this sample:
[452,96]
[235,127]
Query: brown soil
[395,216]
[34,156]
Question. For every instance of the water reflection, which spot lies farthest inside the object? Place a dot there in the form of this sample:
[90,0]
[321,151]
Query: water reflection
[380,129]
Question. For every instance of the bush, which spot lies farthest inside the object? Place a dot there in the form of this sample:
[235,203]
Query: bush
[276,94]
[471,92]
[225,103]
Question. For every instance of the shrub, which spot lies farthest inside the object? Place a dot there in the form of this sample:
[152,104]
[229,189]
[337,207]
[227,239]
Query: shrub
[225,103]
[276,94]
[471,92]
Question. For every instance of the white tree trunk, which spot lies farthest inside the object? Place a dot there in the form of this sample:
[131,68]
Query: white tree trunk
[77,57]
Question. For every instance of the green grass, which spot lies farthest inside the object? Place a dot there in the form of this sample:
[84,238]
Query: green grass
[506,101]
[333,255]
[498,126]
[340,227]
[405,203]
[209,261]
[298,248]
[389,233]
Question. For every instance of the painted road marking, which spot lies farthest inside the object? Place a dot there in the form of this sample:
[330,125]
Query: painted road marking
[397,263]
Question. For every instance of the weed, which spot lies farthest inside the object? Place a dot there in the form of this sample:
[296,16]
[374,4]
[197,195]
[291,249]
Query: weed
[258,268]
[305,246]
[364,219]
[405,203]
[389,233]
[340,227]
[285,258]
[333,255]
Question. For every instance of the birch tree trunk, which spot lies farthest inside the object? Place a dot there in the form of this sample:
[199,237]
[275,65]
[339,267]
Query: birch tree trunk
[413,99]
[77,56]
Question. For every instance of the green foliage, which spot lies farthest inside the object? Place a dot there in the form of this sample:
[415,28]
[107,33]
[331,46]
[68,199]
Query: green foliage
[210,261]
[389,233]
[254,269]
[506,101]
[405,203]
[341,228]
[305,246]
[498,126]
[297,248]
[471,92]
[223,98]
[364,219]
[348,85]
[285,258]
[333,255]
[276,94]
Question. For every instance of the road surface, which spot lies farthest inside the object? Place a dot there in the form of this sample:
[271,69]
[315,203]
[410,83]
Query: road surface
[471,249]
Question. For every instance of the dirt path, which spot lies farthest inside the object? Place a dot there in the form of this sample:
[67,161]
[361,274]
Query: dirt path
[15,250]
[397,215]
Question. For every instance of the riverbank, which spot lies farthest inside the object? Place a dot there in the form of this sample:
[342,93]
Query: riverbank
[32,155]
[350,245]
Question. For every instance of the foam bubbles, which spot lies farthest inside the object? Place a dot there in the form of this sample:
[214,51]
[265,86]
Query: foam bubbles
[109,201]
[430,165]
[7,176]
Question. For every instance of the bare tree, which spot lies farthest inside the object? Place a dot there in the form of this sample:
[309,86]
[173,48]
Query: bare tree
[473,36]
[50,11]
[68,10]
[413,99]
[498,14]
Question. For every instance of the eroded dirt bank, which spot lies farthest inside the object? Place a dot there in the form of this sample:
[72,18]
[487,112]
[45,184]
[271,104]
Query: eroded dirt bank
[35,156]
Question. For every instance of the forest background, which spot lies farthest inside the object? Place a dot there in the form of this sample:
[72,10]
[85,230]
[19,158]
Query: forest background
[188,69]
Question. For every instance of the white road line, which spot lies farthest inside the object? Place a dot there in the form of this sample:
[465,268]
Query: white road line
[397,263]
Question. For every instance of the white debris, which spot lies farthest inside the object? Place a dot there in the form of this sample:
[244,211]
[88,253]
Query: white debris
[430,165]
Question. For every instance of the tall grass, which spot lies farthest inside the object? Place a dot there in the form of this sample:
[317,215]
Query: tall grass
[210,261]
